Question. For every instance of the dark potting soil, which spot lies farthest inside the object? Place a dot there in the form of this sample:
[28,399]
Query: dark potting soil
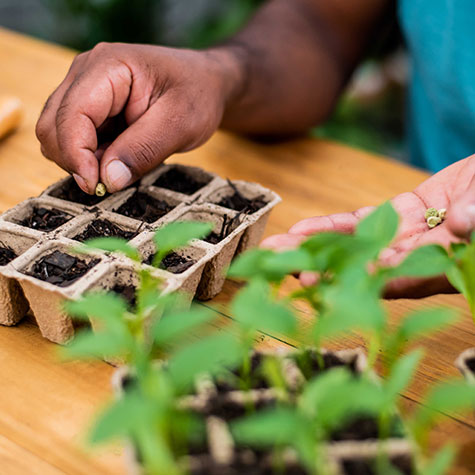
[103,228]
[368,467]
[6,255]
[364,428]
[61,269]
[128,292]
[227,227]
[46,219]
[237,201]
[309,364]
[144,207]
[233,381]
[173,262]
[71,192]
[178,180]
[229,410]
[471,364]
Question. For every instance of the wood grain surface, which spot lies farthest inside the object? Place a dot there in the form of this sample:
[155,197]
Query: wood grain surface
[46,405]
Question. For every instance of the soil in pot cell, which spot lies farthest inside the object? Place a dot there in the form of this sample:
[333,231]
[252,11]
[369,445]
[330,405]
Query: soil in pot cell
[176,179]
[236,379]
[229,409]
[128,293]
[144,207]
[237,201]
[311,363]
[70,191]
[6,255]
[403,464]
[104,228]
[228,225]
[61,269]
[44,219]
[173,262]
[471,364]
[366,428]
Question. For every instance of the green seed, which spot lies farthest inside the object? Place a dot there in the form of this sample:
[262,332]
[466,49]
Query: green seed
[100,189]
[442,213]
[431,212]
[433,221]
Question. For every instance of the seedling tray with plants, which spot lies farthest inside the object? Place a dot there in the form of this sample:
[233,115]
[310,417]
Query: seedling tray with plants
[63,217]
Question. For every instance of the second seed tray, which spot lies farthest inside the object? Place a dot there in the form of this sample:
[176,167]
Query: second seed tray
[39,229]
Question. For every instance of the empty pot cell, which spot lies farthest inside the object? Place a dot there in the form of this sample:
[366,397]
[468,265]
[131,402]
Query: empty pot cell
[49,276]
[466,364]
[182,179]
[68,190]
[13,304]
[39,215]
[103,226]
[146,206]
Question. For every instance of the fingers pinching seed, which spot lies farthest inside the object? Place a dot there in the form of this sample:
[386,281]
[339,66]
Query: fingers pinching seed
[100,189]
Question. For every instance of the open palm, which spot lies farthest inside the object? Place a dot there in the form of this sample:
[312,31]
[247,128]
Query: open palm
[452,188]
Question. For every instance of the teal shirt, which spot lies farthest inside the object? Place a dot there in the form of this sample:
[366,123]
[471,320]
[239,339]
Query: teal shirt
[440,35]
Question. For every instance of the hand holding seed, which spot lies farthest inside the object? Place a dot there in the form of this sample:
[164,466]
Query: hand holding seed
[451,218]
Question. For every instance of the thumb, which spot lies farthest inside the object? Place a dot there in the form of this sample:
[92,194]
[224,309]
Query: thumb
[461,215]
[141,147]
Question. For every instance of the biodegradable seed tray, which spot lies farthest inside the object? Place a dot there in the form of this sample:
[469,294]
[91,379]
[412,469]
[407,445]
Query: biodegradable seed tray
[63,216]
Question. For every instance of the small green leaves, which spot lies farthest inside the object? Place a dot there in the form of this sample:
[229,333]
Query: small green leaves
[254,309]
[104,306]
[176,235]
[425,261]
[380,226]
[111,244]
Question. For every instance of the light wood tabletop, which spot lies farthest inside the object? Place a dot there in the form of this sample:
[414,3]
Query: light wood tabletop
[46,405]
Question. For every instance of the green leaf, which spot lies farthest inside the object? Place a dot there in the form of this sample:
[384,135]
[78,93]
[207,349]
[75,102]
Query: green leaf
[426,321]
[88,344]
[442,461]
[451,396]
[401,374]
[178,234]
[100,305]
[380,226]
[425,261]
[254,310]
[173,326]
[119,419]
[112,244]
[208,355]
[269,427]
[249,264]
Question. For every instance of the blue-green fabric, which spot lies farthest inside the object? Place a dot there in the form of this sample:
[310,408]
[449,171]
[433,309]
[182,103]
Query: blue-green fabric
[440,35]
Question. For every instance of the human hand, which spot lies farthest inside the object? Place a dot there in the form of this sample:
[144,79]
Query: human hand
[452,188]
[122,109]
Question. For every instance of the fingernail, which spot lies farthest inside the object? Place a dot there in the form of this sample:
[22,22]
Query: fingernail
[81,182]
[471,216]
[118,175]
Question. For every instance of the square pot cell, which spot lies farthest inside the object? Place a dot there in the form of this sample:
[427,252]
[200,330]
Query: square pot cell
[13,304]
[224,239]
[186,265]
[179,178]
[68,190]
[362,457]
[103,224]
[39,214]
[49,274]
[466,364]
[146,205]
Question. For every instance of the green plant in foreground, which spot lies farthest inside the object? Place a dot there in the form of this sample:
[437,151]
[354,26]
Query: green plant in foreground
[462,272]
[153,339]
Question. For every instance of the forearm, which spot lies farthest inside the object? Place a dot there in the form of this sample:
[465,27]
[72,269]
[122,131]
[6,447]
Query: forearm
[291,62]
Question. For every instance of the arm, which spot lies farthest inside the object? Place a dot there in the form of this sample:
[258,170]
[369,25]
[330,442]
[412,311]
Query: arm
[281,74]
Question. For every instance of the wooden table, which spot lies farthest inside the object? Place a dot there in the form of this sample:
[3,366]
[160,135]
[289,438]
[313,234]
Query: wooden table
[46,406]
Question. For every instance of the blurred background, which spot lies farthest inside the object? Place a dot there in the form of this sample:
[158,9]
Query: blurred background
[370,115]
